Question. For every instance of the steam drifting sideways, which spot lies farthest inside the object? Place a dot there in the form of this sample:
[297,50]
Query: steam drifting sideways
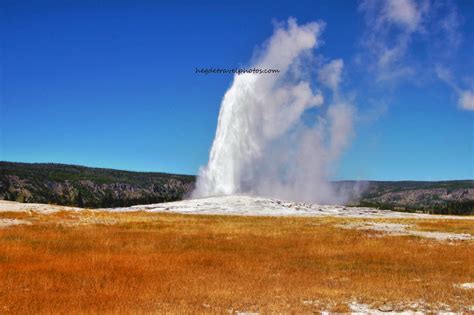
[275,136]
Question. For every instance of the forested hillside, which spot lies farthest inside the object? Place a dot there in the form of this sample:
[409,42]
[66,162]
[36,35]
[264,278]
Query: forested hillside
[88,187]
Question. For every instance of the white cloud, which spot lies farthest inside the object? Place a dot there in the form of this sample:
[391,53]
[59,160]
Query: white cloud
[402,12]
[466,100]
[330,74]
[465,96]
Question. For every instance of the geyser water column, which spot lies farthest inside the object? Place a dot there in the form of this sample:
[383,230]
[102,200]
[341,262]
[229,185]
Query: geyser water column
[259,115]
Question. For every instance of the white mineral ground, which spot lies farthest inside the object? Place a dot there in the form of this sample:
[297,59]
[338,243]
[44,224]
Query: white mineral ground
[238,205]
[257,206]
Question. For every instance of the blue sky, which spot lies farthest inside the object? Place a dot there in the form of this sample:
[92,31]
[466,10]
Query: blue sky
[113,83]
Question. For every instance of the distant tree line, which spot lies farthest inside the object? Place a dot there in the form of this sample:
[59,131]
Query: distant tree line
[108,200]
[464,207]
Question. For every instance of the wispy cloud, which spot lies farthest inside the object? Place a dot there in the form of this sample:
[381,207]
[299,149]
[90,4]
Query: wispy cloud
[407,39]
[390,27]
[447,25]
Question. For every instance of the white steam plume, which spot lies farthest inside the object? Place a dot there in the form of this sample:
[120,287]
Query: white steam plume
[270,139]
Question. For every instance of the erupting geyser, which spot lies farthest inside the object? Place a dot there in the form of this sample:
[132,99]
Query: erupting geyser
[270,139]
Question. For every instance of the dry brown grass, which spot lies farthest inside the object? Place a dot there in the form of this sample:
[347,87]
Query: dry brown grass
[156,263]
[451,226]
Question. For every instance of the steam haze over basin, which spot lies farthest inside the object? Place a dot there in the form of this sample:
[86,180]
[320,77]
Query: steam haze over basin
[277,134]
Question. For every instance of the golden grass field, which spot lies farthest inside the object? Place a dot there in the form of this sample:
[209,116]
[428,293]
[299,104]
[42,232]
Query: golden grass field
[116,263]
